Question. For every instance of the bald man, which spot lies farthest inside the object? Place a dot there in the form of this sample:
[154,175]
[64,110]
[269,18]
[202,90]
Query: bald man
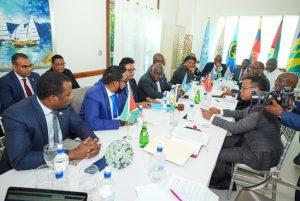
[212,67]
[272,72]
[152,84]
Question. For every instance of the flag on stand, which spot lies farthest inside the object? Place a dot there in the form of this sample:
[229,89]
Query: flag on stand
[220,46]
[256,46]
[184,85]
[204,55]
[207,83]
[276,43]
[293,64]
[130,112]
[231,54]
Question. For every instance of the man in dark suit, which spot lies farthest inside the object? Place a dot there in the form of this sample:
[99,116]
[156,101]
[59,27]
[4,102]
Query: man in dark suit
[213,67]
[46,119]
[103,103]
[239,72]
[187,68]
[58,65]
[255,139]
[151,83]
[18,83]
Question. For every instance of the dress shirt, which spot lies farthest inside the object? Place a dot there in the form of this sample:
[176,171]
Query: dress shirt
[272,76]
[22,84]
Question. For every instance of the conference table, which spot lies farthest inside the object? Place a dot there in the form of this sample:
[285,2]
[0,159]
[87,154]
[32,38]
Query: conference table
[196,169]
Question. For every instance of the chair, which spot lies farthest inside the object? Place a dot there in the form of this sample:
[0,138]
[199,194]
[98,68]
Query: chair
[245,176]
[250,194]
[78,96]
[2,146]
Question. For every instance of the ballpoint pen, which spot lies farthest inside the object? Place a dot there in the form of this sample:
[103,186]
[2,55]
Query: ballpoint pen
[197,129]
[175,194]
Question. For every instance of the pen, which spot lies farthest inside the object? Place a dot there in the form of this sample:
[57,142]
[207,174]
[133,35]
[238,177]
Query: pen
[193,128]
[178,198]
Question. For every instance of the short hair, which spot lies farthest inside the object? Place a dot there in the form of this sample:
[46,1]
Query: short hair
[274,61]
[57,56]
[15,57]
[261,64]
[125,61]
[51,83]
[248,60]
[112,74]
[189,57]
[155,57]
[260,81]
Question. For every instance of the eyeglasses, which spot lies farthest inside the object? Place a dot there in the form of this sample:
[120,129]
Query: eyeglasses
[59,64]
[124,81]
[244,88]
[131,70]
[26,66]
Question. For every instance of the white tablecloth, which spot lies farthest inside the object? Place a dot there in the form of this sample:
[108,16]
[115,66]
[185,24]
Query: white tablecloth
[198,169]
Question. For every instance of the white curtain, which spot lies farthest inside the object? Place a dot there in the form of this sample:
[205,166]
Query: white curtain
[137,33]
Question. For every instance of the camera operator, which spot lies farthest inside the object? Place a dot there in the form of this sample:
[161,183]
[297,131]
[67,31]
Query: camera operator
[255,139]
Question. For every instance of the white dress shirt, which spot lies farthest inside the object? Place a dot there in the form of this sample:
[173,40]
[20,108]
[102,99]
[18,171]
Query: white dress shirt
[158,86]
[272,76]
[22,84]
[49,121]
[109,94]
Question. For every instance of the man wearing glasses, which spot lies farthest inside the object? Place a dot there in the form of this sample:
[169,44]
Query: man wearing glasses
[151,83]
[18,83]
[103,104]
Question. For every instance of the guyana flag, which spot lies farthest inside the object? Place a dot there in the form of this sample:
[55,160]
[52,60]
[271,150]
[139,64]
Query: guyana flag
[293,64]
[130,112]
[256,46]
[276,43]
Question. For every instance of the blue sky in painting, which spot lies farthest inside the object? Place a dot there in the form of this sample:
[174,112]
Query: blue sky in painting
[13,10]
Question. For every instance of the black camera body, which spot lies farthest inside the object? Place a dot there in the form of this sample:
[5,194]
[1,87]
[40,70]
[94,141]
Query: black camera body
[284,97]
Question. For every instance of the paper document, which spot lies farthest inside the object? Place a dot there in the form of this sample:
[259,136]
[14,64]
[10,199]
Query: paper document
[174,151]
[153,192]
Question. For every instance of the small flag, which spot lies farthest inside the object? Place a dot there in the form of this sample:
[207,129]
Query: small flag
[204,55]
[220,46]
[130,112]
[256,46]
[207,83]
[231,54]
[293,64]
[184,85]
[276,43]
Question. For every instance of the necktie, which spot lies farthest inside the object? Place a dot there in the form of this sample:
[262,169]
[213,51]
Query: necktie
[115,106]
[55,126]
[158,87]
[27,89]
[243,71]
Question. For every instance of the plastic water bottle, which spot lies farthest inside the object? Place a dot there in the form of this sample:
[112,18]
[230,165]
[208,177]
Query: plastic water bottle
[107,191]
[157,165]
[140,118]
[61,160]
[60,182]
[191,112]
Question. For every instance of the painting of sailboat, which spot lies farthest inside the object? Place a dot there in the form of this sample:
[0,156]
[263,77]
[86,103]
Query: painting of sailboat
[25,27]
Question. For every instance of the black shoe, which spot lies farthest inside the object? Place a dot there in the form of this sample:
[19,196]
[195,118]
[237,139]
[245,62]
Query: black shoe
[223,185]
[297,160]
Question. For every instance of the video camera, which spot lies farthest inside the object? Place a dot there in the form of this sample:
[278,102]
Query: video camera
[284,97]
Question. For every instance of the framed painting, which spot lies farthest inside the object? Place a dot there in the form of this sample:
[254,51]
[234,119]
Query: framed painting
[25,28]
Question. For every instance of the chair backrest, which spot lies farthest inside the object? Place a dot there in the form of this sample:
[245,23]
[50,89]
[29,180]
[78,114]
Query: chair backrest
[2,146]
[78,96]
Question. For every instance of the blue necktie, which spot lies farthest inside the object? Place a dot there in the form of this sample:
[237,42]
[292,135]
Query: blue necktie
[115,106]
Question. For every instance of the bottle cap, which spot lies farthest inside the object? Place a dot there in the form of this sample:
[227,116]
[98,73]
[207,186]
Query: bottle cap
[59,174]
[159,149]
[60,149]
[107,173]
[140,108]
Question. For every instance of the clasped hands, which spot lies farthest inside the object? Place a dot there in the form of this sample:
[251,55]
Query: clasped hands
[207,114]
[86,149]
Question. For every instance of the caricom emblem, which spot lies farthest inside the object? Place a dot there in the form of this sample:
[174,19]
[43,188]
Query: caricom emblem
[232,50]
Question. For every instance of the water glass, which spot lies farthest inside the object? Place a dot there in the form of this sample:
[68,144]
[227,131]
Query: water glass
[49,154]
[44,177]
[88,178]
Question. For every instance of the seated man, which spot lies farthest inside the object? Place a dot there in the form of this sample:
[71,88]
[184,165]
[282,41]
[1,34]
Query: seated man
[212,67]
[187,68]
[58,65]
[46,119]
[151,83]
[239,72]
[18,83]
[272,72]
[103,104]
[255,139]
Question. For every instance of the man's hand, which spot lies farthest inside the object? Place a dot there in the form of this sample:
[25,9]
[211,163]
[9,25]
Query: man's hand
[145,105]
[86,149]
[150,100]
[215,110]
[275,108]
[206,114]
[227,94]
[123,123]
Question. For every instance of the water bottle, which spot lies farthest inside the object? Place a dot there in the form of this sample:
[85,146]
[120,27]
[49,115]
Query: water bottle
[140,118]
[61,160]
[60,182]
[144,136]
[197,97]
[157,165]
[191,112]
[107,191]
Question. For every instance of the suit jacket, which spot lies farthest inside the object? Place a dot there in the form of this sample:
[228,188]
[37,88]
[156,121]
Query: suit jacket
[292,119]
[69,74]
[149,87]
[136,91]
[209,67]
[260,130]
[11,90]
[26,132]
[236,74]
[179,75]
[96,111]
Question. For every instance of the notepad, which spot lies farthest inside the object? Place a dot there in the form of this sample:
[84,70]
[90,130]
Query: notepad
[157,106]
[174,151]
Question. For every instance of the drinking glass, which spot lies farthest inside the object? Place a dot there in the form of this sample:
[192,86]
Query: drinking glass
[44,177]
[49,154]
[88,179]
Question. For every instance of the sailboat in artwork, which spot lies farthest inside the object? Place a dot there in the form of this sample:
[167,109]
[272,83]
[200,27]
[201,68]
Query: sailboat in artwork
[4,34]
[26,36]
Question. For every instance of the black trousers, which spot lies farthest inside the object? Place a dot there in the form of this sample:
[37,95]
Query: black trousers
[233,151]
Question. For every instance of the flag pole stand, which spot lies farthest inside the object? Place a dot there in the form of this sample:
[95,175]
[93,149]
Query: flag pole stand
[128,135]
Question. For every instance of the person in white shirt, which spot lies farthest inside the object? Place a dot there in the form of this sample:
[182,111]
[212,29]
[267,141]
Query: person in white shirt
[272,72]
